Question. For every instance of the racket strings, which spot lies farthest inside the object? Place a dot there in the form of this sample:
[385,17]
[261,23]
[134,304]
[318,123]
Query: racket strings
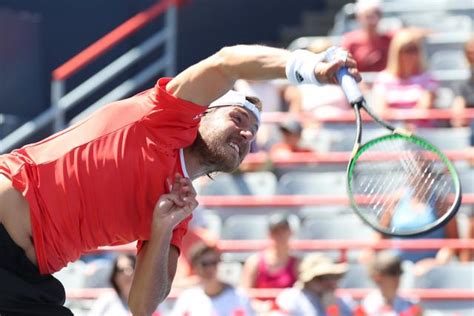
[391,168]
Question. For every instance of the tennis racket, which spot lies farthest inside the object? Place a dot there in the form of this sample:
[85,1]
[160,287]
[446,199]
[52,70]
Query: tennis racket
[399,184]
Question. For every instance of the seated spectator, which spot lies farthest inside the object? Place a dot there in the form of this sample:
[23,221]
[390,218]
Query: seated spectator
[386,270]
[366,44]
[411,212]
[467,255]
[291,131]
[274,267]
[211,297]
[314,293]
[116,302]
[465,91]
[405,83]
[197,233]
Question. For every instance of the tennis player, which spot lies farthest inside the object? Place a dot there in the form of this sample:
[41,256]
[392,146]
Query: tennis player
[124,174]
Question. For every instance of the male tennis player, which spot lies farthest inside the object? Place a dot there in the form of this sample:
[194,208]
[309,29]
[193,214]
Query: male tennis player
[97,183]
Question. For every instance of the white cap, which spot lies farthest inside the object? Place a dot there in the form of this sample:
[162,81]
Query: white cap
[234,98]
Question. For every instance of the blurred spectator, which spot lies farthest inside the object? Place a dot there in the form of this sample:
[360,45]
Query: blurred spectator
[410,213]
[324,100]
[467,255]
[116,303]
[314,293]
[465,91]
[274,267]
[405,82]
[386,270]
[367,45]
[291,131]
[211,297]
[197,233]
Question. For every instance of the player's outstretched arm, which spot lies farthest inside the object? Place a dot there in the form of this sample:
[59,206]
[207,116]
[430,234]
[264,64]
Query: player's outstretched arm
[156,262]
[209,79]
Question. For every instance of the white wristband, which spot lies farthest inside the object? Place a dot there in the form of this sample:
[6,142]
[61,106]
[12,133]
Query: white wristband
[300,66]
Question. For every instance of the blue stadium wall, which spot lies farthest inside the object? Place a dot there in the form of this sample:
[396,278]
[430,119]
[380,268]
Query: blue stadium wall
[36,36]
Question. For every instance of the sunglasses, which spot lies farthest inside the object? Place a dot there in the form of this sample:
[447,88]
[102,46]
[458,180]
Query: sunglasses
[209,263]
[127,271]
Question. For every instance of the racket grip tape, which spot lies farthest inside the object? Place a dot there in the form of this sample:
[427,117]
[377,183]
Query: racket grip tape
[349,86]
[346,81]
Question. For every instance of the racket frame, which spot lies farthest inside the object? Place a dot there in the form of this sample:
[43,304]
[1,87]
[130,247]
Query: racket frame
[359,149]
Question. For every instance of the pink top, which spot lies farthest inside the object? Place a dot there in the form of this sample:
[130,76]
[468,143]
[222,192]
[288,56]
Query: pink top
[403,93]
[283,278]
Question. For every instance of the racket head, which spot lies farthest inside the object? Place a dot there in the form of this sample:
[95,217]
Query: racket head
[403,185]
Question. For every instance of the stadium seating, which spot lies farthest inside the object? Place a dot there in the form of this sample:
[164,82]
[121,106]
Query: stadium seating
[450,276]
[446,138]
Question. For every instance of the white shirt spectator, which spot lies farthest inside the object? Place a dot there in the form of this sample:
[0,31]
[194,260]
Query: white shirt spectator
[230,302]
[374,305]
[109,304]
[324,100]
[297,302]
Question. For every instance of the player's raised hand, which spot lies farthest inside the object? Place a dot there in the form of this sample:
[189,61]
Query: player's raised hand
[175,206]
[325,72]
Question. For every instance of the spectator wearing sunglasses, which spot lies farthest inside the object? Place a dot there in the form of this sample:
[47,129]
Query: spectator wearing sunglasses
[211,297]
[405,83]
[115,303]
[314,292]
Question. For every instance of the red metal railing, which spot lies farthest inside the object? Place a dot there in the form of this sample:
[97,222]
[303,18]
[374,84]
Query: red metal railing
[422,294]
[343,245]
[285,200]
[330,157]
[389,115]
[111,39]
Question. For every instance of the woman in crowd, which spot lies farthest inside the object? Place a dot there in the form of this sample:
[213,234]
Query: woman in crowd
[211,297]
[405,83]
[115,303]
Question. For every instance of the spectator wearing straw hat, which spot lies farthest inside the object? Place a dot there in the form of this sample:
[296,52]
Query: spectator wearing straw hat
[386,270]
[314,292]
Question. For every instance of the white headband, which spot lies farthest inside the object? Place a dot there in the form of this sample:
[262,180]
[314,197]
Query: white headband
[237,99]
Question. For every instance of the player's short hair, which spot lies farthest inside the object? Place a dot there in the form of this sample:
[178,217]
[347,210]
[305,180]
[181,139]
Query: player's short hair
[255,101]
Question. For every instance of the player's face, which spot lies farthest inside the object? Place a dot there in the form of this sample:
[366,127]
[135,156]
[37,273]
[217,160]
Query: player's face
[227,133]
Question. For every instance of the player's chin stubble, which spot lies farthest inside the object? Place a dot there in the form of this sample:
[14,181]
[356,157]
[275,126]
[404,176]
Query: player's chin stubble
[215,152]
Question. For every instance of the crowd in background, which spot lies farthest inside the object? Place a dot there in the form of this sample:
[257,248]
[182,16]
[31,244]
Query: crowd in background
[310,282]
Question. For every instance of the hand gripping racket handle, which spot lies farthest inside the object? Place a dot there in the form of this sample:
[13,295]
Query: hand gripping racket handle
[349,86]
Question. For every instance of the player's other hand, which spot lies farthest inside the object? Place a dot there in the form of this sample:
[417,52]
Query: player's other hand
[175,206]
[326,71]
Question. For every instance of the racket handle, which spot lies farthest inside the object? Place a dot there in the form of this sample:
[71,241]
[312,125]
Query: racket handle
[349,86]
